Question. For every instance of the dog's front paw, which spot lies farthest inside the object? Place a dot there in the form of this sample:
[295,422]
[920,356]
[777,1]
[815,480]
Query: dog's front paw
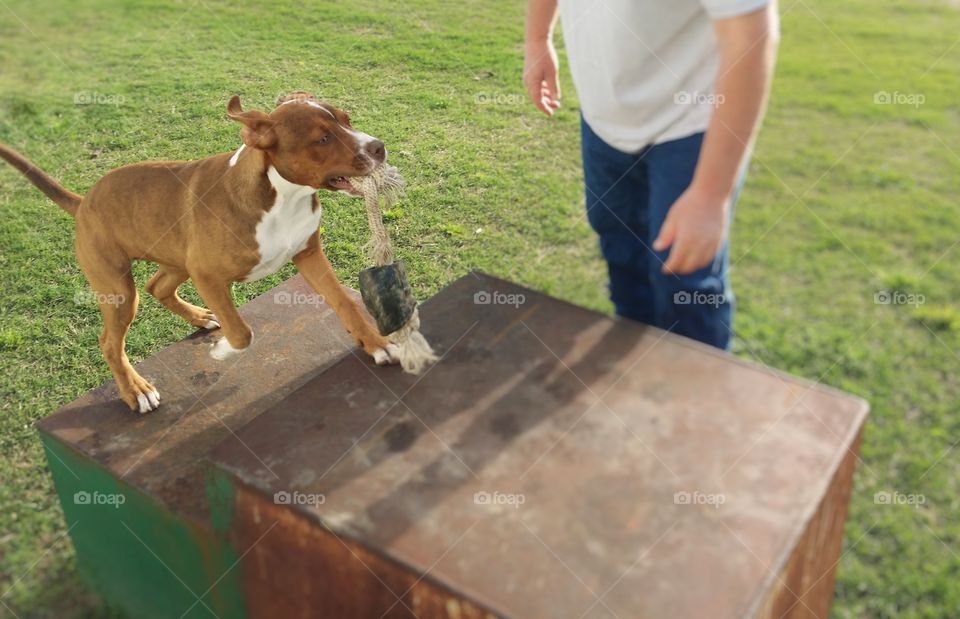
[140,395]
[221,350]
[149,401]
[388,355]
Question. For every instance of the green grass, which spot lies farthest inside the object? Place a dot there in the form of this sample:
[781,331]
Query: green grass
[845,198]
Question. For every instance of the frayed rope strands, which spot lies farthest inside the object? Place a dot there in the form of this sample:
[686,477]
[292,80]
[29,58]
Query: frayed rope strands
[384,287]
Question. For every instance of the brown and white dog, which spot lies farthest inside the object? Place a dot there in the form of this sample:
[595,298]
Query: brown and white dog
[233,217]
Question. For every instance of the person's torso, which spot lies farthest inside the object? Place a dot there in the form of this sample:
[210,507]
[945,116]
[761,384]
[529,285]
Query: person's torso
[644,69]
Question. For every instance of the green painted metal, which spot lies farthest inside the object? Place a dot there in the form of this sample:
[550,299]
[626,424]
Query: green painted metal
[220,497]
[144,560]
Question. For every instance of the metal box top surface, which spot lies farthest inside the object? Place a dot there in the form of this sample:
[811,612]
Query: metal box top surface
[558,462]
[204,401]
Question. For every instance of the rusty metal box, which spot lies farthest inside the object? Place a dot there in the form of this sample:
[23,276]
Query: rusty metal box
[555,463]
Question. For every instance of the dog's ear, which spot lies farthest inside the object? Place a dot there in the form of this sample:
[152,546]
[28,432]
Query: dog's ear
[300,96]
[257,129]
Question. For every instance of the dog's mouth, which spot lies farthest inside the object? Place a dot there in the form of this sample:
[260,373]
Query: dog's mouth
[340,183]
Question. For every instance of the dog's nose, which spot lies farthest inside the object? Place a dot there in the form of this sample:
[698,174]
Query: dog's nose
[376,150]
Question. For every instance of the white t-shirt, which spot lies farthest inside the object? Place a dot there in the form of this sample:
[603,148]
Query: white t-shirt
[645,69]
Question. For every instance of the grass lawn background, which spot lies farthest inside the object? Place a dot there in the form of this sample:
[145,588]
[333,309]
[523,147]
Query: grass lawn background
[845,197]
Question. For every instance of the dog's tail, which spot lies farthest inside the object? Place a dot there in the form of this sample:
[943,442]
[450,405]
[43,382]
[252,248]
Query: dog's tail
[65,199]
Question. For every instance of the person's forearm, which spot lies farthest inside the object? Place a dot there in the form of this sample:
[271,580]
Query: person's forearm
[541,18]
[748,47]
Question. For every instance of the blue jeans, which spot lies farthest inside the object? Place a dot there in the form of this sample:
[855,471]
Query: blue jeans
[628,196]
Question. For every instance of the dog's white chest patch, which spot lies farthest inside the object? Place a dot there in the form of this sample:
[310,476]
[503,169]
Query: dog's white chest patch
[286,228]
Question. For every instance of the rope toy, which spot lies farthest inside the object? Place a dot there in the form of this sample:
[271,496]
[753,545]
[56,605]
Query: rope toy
[384,287]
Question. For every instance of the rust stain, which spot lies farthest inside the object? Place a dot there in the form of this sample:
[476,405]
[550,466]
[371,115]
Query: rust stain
[290,552]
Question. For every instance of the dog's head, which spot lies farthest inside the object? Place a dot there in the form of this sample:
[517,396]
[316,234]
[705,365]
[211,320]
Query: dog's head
[310,142]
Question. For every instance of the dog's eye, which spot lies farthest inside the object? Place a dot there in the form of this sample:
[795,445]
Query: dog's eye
[324,139]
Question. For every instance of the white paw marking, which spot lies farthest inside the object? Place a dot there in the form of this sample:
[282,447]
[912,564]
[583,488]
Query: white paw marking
[154,399]
[386,356]
[394,351]
[212,324]
[148,402]
[222,350]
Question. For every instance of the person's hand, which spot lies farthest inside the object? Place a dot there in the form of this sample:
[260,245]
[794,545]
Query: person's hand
[695,229]
[541,75]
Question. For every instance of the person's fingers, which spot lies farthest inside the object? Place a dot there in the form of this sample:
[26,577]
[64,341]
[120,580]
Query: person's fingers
[672,264]
[545,106]
[553,85]
[703,259]
[550,99]
[691,264]
[547,97]
[667,235]
[538,100]
[535,90]
[695,258]
[704,255]
[686,255]
[676,257]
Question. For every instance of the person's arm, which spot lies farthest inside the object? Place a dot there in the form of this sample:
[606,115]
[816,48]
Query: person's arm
[696,225]
[540,66]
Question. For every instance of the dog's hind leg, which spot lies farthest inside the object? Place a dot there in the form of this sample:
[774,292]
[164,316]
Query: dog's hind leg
[116,295]
[163,286]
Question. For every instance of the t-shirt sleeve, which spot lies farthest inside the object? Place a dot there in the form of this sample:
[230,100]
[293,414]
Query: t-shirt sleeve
[723,9]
